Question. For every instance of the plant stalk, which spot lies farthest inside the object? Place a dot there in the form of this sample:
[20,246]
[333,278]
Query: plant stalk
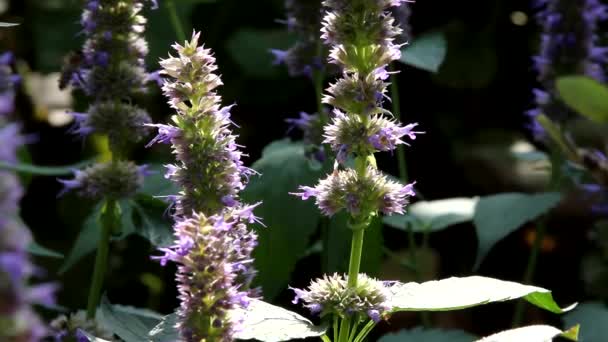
[396,104]
[108,218]
[356,251]
[175,21]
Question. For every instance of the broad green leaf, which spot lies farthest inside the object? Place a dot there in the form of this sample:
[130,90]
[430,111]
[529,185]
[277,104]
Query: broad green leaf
[35,249]
[128,323]
[532,333]
[290,221]
[593,318]
[156,184]
[461,293]
[154,223]
[86,242]
[337,252]
[499,215]
[127,226]
[426,52]
[434,216]
[268,323]
[250,49]
[166,330]
[5,24]
[585,95]
[43,170]
[428,335]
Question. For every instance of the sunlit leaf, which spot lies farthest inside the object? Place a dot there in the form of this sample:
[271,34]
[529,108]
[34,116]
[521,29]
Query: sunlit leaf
[533,333]
[434,216]
[5,24]
[461,293]
[499,215]
[593,318]
[269,323]
[426,52]
[585,95]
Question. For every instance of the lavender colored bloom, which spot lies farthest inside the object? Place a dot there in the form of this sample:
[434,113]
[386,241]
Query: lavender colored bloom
[358,194]
[209,167]
[569,45]
[350,134]
[213,245]
[111,180]
[18,320]
[214,273]
[304,19]
[330,295]
[8,80]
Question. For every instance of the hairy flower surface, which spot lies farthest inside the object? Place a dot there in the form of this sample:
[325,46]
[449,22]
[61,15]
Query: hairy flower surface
[346,189]
[209,167]
[213,245]
[331,295]
[18,320]
[569,45]
[114,180]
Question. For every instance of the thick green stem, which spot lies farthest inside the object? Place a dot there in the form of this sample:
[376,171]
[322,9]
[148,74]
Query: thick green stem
[356,251]
[344,330]
[175,21]
[403,175]
[108,219]
[365,331]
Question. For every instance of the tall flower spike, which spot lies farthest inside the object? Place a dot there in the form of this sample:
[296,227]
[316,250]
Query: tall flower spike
[111,69]
[213,245]
[18,320]
[568,45]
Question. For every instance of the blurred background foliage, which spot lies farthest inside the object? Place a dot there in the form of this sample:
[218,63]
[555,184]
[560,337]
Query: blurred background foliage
[470,105]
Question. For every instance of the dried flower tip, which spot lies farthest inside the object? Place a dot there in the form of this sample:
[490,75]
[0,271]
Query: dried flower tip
[331,295]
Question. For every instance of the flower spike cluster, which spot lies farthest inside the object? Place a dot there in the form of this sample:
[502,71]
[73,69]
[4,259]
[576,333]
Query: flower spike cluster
[110,70]
[361,35]
[213,245]
[569,45]
[18,321]
[304,19]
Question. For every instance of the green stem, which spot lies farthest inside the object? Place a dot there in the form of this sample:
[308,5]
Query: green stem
[365,331]
[175,21]
[356,250]
[397,113]
[344,330]
[541,229]
[108,218]
[325,338]
[336,324]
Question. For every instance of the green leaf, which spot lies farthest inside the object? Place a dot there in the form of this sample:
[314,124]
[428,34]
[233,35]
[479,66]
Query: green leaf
[86,242]
[585,95]
[269,323]
[129,323]
[290,221]
[461,293]
[250,49]
[532,333]
[434,216]
[166,330]
[127,226]
[426,52]
[154,224]
[499,215]
[428,335]
[156,184]
[43,170]
[593,318]
[35,249]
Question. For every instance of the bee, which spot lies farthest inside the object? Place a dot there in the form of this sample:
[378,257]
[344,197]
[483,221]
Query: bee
[70,70]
